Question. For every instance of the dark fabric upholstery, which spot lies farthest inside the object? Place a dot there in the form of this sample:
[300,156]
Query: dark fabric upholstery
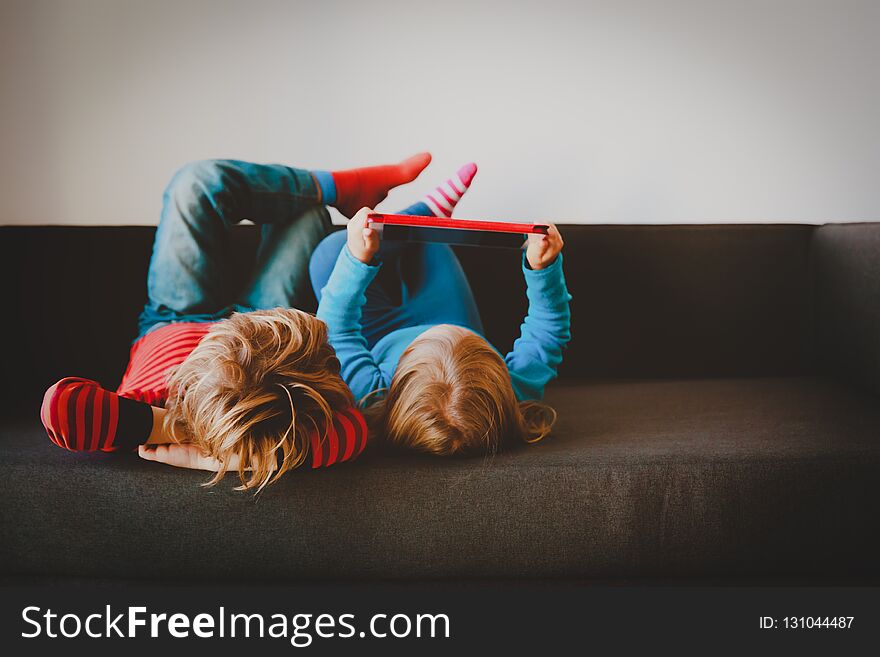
[649,301]
[698,435]
[668,301]
[846,266]
[660,479]
[74,294]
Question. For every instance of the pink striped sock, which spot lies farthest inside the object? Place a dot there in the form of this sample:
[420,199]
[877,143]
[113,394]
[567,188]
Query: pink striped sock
[442,200]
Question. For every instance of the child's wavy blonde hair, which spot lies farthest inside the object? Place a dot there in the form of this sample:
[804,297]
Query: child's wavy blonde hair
[255,386]
[451,394]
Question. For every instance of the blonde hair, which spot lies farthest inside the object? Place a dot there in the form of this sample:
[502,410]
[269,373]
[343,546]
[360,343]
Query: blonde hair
[255,386]
[451,394]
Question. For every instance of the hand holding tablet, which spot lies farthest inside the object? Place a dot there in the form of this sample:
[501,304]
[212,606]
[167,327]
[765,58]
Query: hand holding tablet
[411,228]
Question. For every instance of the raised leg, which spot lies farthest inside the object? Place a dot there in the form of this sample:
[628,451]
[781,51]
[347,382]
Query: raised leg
[186,279]
[281,272]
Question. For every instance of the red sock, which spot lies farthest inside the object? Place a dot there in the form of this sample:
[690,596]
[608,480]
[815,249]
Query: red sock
[367,187]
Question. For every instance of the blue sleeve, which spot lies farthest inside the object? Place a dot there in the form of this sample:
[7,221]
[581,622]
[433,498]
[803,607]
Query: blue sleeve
[546,329]
[341,308]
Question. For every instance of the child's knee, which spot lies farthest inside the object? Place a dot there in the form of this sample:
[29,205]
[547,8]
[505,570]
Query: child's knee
[331,245]
[195,180]
[324,259]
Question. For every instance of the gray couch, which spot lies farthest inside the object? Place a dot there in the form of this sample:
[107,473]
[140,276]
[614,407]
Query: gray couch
[719,421]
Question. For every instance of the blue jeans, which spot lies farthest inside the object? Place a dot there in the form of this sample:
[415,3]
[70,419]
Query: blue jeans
[186,280]
[419,284]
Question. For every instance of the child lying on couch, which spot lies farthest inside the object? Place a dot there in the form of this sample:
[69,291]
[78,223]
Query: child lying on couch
[405,326]
[250,386]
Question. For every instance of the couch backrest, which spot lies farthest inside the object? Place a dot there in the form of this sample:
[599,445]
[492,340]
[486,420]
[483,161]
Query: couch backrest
[669,301]
[649,301]
[846,276]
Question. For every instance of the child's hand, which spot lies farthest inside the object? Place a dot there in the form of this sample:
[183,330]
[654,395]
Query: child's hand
[187,455]
[182,456]
[363,242]
[543,249]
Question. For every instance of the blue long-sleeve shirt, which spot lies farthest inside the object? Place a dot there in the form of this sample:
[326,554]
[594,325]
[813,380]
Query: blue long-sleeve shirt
[532,362]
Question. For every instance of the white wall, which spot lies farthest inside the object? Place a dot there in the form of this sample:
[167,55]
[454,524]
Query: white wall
[616,111]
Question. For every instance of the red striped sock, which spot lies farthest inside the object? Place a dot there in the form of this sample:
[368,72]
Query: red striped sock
[367,187]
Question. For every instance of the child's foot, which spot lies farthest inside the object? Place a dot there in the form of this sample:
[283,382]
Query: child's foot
[445,196]
[368,186]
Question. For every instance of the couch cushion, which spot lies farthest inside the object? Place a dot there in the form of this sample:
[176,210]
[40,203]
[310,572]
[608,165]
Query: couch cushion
[708,478]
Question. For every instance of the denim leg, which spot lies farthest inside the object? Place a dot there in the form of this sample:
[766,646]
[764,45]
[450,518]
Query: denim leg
[204,199]
[281,272]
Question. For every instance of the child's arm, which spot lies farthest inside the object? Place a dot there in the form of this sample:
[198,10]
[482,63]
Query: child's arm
[341,308]
[344,441]
[546,329]
[79,415]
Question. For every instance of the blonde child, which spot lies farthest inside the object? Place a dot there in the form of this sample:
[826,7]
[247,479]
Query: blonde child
[408,335]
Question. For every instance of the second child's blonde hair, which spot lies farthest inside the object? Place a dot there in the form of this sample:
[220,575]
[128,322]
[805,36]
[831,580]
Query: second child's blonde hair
[451,394]
[255,386]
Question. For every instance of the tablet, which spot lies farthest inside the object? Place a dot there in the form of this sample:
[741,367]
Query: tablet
[468,232]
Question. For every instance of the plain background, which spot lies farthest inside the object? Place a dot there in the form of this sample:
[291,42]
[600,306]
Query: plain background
[625,111]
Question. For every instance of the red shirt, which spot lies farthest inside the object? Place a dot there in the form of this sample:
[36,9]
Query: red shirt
[153,355]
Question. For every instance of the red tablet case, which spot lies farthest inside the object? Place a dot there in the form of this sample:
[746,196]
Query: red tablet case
[461,224]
